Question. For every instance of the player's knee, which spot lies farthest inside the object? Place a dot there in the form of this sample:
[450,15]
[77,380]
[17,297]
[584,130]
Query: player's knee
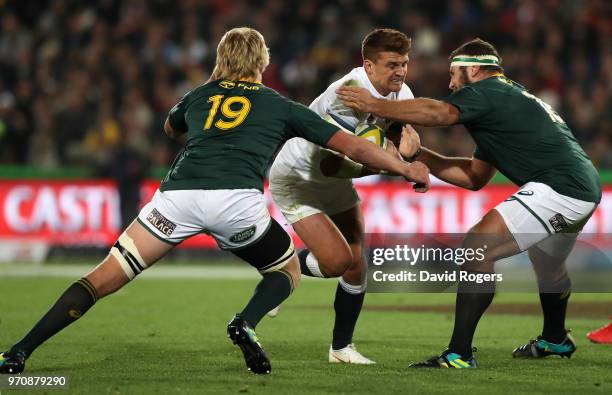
[292,268]
[337,264]
[357,270]
[359,263]
[548,269]
[486,243]
[107,277]
[484,261]
[123,263]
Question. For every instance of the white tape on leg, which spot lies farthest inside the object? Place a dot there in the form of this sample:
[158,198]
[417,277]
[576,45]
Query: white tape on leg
[127,254]
[313,265]
[352,289]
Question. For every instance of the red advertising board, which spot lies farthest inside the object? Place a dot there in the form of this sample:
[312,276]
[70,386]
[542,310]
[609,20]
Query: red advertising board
[87,212]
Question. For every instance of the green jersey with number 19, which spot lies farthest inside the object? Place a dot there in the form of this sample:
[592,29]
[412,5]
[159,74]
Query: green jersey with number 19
[233,130]
[524,138]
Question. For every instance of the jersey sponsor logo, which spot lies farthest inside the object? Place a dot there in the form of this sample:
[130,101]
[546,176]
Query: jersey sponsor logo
[248,87]
[243,235]
[558,223]
[227,84]
[161,223]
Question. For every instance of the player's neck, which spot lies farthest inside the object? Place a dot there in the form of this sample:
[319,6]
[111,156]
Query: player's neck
[256,79]
[382,91]
[487,76]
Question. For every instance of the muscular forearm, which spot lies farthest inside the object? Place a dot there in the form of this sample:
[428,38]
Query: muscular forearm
[341,167]
[422,111]
[374,158]
[456,171]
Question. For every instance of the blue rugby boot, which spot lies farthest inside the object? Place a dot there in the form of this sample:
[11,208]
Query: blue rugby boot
[541,348]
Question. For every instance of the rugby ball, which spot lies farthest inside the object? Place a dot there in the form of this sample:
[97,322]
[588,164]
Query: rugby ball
[372,133]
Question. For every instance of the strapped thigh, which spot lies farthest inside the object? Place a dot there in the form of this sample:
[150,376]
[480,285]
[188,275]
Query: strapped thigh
[270,252]
[125,251]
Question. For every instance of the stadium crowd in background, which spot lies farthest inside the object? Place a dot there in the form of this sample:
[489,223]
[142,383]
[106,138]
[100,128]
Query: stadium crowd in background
[80,79]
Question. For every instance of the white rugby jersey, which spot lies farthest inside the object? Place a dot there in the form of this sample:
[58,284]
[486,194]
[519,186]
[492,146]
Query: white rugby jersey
[301,158]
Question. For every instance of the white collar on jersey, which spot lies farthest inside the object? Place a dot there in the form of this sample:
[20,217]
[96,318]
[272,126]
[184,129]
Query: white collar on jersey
[364,77]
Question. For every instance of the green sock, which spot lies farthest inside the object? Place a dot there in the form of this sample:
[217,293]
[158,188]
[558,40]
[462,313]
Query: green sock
[73,303]
[271,291]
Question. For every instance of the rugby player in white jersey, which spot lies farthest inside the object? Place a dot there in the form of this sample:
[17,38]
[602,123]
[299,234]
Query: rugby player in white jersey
[233,125]
[314,191]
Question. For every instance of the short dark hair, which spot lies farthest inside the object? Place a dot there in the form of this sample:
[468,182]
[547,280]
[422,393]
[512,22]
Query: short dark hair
[380,40]
[477,47]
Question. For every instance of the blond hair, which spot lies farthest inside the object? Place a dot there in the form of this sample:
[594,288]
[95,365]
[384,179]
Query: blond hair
[241,53]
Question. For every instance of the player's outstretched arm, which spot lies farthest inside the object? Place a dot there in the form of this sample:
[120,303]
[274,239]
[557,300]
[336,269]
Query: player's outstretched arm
[374,157]
[468,173]
[339,166]
[420,111]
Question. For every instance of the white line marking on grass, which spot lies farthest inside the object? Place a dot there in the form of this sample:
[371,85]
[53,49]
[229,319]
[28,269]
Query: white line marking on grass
[161,271]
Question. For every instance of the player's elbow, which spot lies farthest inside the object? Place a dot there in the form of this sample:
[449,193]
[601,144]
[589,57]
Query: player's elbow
[479,174]
[170,134]
[475,187]
[477,183]
[170,131]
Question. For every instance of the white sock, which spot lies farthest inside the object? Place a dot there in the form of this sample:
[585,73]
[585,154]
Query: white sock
[313,265]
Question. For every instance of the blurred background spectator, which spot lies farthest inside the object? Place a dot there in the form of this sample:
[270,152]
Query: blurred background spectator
[84,81]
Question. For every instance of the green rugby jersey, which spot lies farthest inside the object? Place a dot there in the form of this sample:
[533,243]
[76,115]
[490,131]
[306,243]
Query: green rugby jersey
[233,131]
[524,138]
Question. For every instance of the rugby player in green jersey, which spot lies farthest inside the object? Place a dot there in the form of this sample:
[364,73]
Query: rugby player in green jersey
[234,125]
[526,140]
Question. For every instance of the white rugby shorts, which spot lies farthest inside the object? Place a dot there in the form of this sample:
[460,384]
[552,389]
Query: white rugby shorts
[298,198]
[234,217]
[538,215]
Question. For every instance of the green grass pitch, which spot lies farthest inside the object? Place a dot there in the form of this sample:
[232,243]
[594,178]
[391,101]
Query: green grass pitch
[168,336]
